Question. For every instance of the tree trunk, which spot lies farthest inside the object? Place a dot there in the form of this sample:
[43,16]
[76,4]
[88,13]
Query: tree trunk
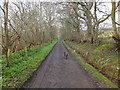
[7,40]
[90,26]
[116,35]
[113,19]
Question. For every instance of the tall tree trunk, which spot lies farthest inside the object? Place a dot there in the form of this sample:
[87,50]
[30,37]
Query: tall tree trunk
[6,34]
[113,18]
[90,27]
[116,36]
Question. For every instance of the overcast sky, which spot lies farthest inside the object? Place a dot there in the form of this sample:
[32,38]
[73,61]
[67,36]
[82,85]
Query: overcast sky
[60,0]
[106,24]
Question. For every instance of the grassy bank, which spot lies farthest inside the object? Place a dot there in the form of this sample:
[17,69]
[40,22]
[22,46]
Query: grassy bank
[23,66]
[89,50]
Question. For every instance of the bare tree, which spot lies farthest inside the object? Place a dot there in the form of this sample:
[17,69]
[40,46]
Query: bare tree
[7,38]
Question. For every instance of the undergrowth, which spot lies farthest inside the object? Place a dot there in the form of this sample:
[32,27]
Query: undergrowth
[104,57]
[23,66]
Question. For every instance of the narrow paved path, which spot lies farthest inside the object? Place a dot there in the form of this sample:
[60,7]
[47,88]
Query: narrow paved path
[57,72]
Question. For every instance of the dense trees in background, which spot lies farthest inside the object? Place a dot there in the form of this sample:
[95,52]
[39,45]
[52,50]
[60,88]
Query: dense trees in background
[26,24]
[83,32]
[84,18]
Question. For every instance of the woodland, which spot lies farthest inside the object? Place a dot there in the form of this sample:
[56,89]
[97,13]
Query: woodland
[29,30]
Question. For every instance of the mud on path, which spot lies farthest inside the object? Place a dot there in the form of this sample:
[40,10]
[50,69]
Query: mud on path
[57,72]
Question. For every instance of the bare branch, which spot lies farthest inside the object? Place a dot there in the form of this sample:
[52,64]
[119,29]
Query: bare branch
[104,19]
[2,9]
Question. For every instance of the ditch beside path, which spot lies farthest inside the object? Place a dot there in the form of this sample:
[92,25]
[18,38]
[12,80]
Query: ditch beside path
[57,72]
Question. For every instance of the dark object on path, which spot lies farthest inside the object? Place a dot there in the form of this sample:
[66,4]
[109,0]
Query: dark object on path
[66,55]
[84,41]
[55,72]
[72,40]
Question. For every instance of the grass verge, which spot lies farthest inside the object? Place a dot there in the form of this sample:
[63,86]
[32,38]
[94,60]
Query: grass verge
[98,76]
[23,66]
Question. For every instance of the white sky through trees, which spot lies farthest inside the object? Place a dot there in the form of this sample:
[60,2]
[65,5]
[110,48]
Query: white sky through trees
[105,8]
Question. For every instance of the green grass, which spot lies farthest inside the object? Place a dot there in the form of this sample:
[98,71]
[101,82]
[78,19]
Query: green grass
[103,56]
[23,66]
[98,76]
